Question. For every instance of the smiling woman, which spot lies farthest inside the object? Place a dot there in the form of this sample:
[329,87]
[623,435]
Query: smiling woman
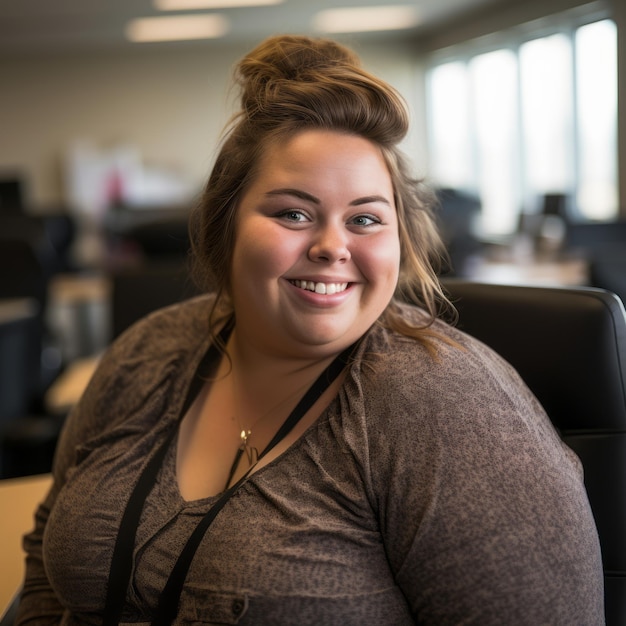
[320,212]
[309,443]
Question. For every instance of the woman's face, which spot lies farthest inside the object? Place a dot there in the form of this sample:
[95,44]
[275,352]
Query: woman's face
[317,252]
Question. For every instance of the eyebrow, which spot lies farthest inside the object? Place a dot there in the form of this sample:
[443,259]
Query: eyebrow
[303,195]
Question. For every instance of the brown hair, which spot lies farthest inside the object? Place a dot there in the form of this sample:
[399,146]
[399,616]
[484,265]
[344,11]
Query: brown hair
[293,83]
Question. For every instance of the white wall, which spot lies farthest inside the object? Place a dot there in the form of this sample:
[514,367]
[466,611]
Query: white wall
[170,102]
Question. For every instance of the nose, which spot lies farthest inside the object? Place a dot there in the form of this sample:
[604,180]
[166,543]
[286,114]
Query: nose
[330,245]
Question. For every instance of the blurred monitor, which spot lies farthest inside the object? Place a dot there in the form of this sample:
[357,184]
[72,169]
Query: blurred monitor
[11,195]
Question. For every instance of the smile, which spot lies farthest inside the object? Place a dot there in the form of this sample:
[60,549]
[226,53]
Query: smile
[321,288]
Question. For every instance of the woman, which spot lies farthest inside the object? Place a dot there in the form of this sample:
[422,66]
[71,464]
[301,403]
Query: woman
[301,446]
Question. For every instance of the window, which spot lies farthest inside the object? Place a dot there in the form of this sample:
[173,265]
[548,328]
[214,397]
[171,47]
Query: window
[596,122]
[451,153]
[495,96]
[535,117]
[546,84]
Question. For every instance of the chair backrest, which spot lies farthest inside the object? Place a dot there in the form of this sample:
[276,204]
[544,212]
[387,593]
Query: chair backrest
[569,345]
[22,275]
[17,324]
[591,237]
[603,245]
[607,270]
[137,291]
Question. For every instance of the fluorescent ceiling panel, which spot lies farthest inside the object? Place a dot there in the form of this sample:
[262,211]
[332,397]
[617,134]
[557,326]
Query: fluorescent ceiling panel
[362,19]
[177,28]
[187,5]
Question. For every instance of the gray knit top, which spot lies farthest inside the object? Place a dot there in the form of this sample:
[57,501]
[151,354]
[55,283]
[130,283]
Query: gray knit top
[431,491]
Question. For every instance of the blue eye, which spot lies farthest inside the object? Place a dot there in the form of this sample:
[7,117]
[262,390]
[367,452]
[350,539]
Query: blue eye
[364,220]
[293,216]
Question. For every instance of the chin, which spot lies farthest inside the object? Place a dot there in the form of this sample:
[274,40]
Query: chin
[334,340]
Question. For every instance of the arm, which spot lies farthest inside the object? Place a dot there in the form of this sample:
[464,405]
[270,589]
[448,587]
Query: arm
[143,359]
[483,510]
[39,603]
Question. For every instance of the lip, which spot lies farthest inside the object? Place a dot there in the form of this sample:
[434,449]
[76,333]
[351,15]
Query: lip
[321,279]
[319,299]
[321,287]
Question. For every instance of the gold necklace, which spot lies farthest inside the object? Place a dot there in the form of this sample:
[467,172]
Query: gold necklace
[252,454]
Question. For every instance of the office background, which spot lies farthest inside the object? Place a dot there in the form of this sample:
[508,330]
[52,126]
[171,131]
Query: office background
[169,102]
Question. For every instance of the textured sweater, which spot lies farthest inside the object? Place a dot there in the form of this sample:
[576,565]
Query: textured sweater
[431,491]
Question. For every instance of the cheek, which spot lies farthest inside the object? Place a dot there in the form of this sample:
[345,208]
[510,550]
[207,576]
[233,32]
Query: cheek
[380,261]
[262,251]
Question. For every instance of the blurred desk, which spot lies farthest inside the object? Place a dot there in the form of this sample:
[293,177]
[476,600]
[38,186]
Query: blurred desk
[16,309]
[67,389]
[548,273]
[78,288]
[19,498]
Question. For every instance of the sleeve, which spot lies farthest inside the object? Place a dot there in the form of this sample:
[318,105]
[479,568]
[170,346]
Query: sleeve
[122,364]
[482,508]
[38,602]
[142,359]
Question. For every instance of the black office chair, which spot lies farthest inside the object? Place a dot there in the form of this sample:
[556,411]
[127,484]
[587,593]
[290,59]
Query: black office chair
[140,290]
[160,276]
[591,237]
[18,321]
[23,276]
[603,245]
[28,435]
[456,216]
[607,270]
[569,345]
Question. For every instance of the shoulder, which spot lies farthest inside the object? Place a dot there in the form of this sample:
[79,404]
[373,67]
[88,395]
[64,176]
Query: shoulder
[150,361]
[458,452]
[458,364]
[164,340]
[462,402]
[173,328]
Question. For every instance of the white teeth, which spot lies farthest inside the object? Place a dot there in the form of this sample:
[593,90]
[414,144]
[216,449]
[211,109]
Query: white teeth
[321,288]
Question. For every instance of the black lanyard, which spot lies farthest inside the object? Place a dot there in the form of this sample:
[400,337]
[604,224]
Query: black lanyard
[122,562]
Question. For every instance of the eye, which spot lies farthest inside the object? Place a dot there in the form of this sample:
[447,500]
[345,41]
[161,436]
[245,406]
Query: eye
[292,215]
[364,220]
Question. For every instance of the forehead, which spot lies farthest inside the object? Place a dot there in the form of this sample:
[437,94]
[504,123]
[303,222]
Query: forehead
[327,154]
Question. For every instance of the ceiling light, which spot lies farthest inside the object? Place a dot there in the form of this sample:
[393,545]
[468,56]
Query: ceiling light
[177,28]
[186,5]
[361,19]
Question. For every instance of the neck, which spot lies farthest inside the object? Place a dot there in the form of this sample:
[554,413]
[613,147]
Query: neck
[263,382]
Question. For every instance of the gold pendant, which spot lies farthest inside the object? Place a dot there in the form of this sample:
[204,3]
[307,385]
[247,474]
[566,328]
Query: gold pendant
[252,454]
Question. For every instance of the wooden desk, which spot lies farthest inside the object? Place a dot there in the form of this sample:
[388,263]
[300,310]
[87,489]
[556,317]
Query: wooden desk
[19,498]
[67,389]
[566,272]
[17,309]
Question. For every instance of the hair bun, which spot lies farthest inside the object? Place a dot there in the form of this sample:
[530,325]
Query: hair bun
[319,83]
[270,71]
[290,57]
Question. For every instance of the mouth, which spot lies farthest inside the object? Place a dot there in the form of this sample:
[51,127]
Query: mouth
[321,288]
